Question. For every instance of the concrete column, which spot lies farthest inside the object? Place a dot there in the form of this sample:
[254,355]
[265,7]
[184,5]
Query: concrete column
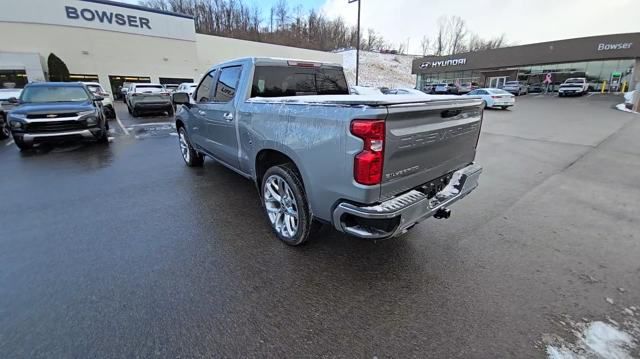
[104,81]
[635,79]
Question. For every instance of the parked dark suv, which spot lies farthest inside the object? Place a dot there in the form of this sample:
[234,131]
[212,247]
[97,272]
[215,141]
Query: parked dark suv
[56,111]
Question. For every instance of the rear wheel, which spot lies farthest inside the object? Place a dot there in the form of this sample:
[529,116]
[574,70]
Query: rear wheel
[285,204]
[190,156]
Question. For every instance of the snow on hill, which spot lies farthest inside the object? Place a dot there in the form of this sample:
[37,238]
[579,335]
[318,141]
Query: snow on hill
[378,69]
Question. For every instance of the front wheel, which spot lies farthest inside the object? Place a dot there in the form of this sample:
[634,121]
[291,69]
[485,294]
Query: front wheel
[504,107]
[286,206]
[5,132]
[21,144]
[190,156]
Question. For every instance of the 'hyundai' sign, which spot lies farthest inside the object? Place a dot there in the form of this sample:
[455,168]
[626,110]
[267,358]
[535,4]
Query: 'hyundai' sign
[443,63]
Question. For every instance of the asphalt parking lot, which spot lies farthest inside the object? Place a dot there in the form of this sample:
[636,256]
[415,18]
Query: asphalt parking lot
[121,250]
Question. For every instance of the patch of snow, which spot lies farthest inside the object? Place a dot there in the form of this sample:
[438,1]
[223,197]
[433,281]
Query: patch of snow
[609,300]
[363,90]
[379,99]
[607,340]
[379,70]
[560,353]
[623,107]
[595,340]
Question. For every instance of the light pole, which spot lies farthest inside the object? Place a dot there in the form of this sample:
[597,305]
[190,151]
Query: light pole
[358,45]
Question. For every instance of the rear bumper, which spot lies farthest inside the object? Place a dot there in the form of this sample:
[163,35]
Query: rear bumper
[158,106]
[401,213]
[571,91]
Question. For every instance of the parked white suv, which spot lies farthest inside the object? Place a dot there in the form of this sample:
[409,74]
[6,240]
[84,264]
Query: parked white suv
[187,87]
[107,103]
[574,86]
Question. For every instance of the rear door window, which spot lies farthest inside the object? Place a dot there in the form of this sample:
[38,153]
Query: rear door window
[276,81]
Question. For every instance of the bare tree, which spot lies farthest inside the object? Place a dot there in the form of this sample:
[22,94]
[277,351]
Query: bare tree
[442,36]
[458,30]
[425,44]
[282,13]
[242,19]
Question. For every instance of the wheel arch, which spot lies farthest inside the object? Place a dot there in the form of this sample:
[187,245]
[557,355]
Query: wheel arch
[269,157]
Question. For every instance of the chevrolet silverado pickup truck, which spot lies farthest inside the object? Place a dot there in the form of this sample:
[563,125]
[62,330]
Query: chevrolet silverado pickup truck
[372,166]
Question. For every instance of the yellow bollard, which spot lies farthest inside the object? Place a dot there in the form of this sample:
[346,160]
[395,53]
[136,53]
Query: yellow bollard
[604,85]
[624,87]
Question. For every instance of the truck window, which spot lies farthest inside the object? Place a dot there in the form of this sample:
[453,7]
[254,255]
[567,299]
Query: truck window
[227,84]
[276,81]
[204,90]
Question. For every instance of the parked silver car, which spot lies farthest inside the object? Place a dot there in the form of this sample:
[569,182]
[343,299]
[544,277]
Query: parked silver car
[516,87]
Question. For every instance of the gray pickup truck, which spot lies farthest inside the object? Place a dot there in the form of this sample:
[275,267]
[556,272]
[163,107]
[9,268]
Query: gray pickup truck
[371,166]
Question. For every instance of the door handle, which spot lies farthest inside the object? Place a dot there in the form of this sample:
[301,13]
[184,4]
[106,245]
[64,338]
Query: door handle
[228,116]
[202,113]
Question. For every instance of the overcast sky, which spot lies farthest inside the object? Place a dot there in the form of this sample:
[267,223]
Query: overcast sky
[522,21]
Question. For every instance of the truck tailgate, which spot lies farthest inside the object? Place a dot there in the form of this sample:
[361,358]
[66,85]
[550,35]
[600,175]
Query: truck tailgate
[427,141]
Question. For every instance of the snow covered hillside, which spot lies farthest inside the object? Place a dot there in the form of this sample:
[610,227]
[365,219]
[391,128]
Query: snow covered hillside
[379,69]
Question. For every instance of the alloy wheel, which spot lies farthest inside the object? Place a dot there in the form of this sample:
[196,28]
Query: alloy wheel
[184,146]
[281,206]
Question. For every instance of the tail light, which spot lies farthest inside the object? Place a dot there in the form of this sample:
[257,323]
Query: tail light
[367,165]
[496,96]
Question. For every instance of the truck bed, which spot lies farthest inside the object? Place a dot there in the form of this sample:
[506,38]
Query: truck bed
[368,100]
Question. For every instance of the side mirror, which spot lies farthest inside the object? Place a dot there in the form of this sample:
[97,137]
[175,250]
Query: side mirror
[13,100]
[98,98]
[180,98]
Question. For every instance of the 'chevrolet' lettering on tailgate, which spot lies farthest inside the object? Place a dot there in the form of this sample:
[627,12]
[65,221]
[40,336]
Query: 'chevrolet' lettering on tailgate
[427,138]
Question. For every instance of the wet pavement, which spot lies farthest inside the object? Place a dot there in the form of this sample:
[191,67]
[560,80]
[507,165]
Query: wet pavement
[121,250]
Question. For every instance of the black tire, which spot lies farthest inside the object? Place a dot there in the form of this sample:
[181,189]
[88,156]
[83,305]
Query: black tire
[110,112]
[191,157]
[5,131]
[21,144]
[129,109]
[504,107]
[135,113]
[306,225]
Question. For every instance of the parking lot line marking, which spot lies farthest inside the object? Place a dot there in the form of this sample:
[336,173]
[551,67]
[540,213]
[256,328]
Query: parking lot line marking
[126,132]
[9,143]
[146,124]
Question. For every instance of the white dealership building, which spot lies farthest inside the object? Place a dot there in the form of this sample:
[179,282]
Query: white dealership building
[112,43]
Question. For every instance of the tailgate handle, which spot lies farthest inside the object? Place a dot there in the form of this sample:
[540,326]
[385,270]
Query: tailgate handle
[450,113]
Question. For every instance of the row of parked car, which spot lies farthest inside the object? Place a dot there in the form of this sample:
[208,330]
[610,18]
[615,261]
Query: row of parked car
[492,97]
[572,86]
